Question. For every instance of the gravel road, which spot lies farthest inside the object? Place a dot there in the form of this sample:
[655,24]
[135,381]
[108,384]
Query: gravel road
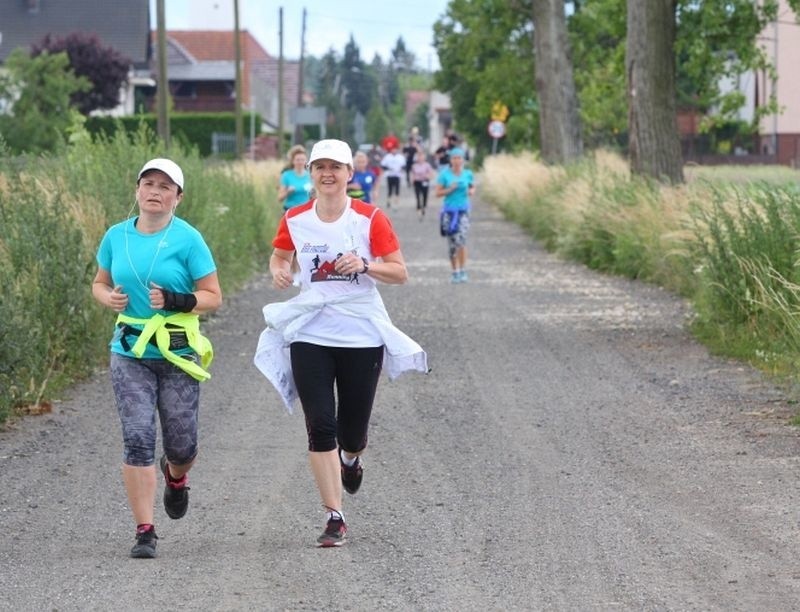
[572,449]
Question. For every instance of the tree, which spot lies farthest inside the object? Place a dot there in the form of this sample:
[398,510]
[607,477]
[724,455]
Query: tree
[403,60]
[486,54]
[104,67]
[654,145]
[377,124]
[597,32]
[419,118]
[388,85]
[328,84]
[356,80]
[715,41]
[40,88]
[389,96]
[559,121]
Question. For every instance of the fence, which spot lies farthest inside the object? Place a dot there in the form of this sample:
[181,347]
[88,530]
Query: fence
[224,144]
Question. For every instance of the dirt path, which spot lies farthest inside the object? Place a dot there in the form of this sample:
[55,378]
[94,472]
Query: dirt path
[572,449]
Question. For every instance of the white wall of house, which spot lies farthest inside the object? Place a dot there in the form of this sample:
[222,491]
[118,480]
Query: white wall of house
[5,105]
[439,104]
[127,96]
[746,85]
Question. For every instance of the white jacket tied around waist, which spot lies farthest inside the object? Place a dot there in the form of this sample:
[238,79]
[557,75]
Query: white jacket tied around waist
[285,319]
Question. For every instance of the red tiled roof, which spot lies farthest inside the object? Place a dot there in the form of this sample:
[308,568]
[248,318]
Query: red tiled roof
[414,98]
[216,45]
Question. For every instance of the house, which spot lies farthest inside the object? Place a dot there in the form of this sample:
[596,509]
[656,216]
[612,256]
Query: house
[440,119]
[779,134]
[778,137]
[200,65]
[121,24]
[414,99]
[201,70]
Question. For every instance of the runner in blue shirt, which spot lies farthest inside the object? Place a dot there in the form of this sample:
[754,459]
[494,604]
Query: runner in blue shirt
[157,273]
[456,184]
[295,184]
[364,177]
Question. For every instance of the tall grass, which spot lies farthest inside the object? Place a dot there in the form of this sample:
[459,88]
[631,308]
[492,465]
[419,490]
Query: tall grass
[53,212]
[747,245]
[596,213]
[728,240]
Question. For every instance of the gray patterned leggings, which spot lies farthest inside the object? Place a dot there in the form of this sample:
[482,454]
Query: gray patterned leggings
[142,386]
[459,239]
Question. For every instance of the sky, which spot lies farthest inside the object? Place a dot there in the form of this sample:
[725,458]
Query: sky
[374,24]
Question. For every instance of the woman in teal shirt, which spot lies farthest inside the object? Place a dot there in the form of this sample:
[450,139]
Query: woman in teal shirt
[295,184]
[156,269]
[456,184]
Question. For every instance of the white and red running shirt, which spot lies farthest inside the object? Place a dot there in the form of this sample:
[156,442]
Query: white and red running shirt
[362,229]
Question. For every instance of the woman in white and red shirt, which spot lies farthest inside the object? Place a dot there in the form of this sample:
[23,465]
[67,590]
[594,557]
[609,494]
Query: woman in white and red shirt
[337,330]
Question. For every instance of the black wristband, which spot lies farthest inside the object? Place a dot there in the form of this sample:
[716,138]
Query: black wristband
[366,265]
[179,302]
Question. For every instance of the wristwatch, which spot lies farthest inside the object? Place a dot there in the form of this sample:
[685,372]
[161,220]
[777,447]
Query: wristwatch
[366,265]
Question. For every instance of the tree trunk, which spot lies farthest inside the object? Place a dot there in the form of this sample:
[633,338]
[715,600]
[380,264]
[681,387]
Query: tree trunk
[559,120]
[655,148]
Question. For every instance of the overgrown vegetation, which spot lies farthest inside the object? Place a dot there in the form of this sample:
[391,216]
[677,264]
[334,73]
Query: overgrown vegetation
[53,212]
[731,247]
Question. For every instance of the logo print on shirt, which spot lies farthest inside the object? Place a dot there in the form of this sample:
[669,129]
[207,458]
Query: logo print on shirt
[326,271]
[314,248]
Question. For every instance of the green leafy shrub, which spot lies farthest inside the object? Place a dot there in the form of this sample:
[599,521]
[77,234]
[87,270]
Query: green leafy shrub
[190,130]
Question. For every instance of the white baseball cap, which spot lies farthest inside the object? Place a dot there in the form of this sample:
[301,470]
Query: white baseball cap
[167,166]
[331,149]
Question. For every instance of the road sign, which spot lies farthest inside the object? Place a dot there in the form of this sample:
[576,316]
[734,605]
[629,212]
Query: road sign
[499,112]
[497,129]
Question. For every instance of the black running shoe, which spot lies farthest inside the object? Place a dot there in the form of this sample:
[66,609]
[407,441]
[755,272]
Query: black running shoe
[334,533]
[176,493]
[145,547]
[352,475]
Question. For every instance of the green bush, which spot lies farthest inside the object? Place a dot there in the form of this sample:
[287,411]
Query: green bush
[189,130]
[41,88]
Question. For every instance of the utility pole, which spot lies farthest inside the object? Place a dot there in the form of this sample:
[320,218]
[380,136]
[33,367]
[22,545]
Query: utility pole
[775,93]
[238,110]
[280,82]
[298,128]
[162,89]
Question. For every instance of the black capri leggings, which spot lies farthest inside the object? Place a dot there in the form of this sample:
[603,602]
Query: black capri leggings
[421,193]
[355,372]
[394,185]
